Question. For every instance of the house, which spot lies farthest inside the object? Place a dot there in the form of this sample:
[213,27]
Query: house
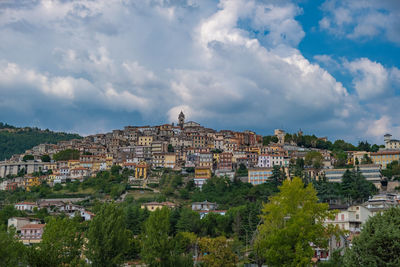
[225,161]
[383,158]
[201,175]
[85,214]
[19,222]
[30,182]
[205,205]
[391,144]
[79,173]
[350,218]
[3,185]
[32,233]
[145,140]
[258,176]
[381,202]
[25,206]
[152,206]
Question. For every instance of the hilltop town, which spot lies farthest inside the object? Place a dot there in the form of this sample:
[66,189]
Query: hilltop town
[181,166]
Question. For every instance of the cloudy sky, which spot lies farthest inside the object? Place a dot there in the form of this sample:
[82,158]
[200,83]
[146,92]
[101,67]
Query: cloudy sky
[328,67]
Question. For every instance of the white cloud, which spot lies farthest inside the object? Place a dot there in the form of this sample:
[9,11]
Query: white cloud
[228,64]
[362,19]
[372,79]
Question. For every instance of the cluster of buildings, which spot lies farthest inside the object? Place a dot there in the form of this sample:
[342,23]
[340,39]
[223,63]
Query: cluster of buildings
[351,218]
[187,145]
[30,229]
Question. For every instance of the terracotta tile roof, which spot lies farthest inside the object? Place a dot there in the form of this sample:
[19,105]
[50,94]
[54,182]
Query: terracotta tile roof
[33,226]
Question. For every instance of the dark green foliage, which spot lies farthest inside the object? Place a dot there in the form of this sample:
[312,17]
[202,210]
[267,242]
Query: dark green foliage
[378,244]
[7,212]
[156,250]
[61,244]
[189,221]
[12,251]
[135,218]
[17,140]
[28,157]
[228,194]
[392,171]
[68,154]
[269,139]
[108,239]
[355,186]
[242,170]
[45,158]
[170,148]
[278,176]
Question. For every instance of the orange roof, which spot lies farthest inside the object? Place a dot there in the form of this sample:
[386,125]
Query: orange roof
[33,226]
[25,203]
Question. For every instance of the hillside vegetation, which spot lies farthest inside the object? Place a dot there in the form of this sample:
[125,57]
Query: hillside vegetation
[15,140]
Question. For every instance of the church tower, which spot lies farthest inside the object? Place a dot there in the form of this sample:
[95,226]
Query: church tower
[181,119]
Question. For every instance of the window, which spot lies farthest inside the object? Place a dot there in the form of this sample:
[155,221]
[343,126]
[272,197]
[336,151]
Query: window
[342,217]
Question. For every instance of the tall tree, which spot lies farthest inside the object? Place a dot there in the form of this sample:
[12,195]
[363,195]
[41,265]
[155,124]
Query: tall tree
[12,251]
[156,244]
[217,252]
[61,244]
[291,221]
[108,238]
[378,244]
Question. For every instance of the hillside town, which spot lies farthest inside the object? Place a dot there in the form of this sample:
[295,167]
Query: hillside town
[198,153]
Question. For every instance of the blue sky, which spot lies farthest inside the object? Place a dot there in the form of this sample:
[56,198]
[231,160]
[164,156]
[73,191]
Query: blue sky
[328,67]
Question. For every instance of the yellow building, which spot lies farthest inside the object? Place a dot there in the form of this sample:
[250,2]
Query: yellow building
[169,160]
[50,166]
[145,140]
[202,173]
[152,206]
[216,157]
[31,181]
[73,164]
[141,170]
[109,160]
[383,158]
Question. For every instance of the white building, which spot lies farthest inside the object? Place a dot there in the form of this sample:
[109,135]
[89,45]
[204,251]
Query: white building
[29,206]
[391,144]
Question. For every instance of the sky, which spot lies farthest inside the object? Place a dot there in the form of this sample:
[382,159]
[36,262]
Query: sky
[327,67]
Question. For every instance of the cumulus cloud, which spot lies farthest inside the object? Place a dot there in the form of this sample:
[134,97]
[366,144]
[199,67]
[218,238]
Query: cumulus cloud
[362,19]
[231,64]
[372,79]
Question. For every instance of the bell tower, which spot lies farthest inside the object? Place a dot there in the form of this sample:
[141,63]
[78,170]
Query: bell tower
[181,119]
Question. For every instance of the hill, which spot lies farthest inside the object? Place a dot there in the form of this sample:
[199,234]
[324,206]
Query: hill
[14,140]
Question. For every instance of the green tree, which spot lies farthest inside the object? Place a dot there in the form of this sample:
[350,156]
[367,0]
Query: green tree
[217,252]
[378,243]
[291,221]
[355,186]
[156,244]
[278,175]
[108,238]
[12,251]
[61,244]
[189,221]
[68,154]
[28,157]
[45,158]
[366,159]
[170,148]
[314,159]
